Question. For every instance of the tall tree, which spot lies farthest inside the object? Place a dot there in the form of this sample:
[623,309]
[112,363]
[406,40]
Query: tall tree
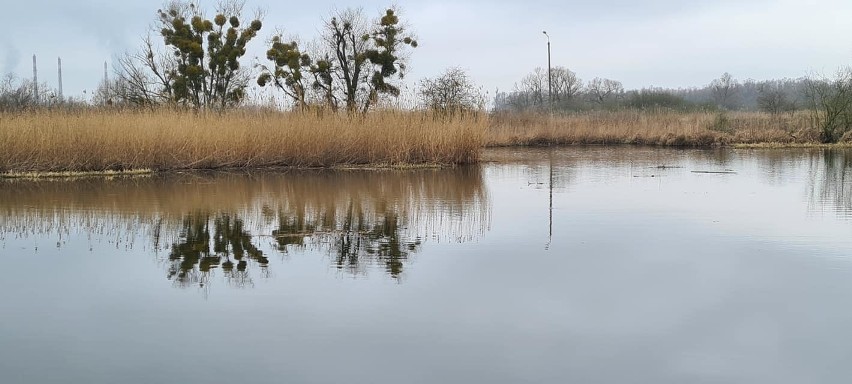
[288,70]
[355,64]
[451,93]
[772,98]
[830,104]
[15,94]
[363,56]
[534,87]
[345,36]
[144,77]
[207,52]
[724,89]
[389,38]
[566,84]
[605,90]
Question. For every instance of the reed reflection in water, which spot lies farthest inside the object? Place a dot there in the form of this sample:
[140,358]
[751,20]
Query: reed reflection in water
[236,222]
[831,181]
[827,172]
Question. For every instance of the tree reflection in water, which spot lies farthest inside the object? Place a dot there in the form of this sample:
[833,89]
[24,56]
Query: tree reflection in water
[354,241]
[191,261]
[228,225]
[828,172]
[831,180]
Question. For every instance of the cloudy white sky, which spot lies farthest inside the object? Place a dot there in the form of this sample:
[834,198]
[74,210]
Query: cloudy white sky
[668,43]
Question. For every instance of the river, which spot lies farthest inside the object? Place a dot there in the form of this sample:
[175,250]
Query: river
[586,265]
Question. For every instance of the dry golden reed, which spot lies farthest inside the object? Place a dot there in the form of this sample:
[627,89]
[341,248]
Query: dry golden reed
[667,128]
[97,140]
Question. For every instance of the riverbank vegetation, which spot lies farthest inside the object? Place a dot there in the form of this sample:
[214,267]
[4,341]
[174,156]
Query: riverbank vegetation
[110,139]
[566,110]
[651,127]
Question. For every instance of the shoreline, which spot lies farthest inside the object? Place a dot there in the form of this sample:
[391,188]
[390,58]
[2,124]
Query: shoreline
[56,175]
[66,175]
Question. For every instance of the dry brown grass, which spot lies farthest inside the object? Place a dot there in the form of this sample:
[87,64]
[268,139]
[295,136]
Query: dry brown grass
[651,128]
[95,140]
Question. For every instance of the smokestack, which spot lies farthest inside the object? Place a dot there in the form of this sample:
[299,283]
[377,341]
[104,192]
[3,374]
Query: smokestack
[35,80]
[59,65]
[106,83]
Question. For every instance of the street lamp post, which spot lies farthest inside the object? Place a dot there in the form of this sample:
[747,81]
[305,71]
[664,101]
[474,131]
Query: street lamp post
[549,74]
[550,153]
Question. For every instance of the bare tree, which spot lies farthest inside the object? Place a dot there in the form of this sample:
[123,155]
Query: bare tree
[145,77]
[343,35]
[17,94]
[451,93]
[534,85]
[532,90]
[604,90]
[830,102]
[566,84]
[772,98]
[14,94]
[724,90]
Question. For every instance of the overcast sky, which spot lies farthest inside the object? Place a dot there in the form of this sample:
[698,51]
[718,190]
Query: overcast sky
[668,43]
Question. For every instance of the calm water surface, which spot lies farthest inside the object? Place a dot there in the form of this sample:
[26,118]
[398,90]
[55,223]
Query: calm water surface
[573,265]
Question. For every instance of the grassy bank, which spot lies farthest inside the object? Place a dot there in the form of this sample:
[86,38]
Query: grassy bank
[97,140]
[700,129]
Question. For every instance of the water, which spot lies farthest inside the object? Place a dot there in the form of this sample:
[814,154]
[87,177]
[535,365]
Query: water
[605,265]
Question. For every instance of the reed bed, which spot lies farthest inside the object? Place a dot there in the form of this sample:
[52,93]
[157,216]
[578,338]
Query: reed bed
[77,142]
[100,140]
[668,128]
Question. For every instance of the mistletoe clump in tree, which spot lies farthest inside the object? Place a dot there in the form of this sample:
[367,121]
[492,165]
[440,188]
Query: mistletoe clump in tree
[388,40]
[287,70]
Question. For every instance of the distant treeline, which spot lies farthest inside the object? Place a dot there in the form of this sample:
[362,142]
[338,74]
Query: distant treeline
[570,93]
[827,99]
